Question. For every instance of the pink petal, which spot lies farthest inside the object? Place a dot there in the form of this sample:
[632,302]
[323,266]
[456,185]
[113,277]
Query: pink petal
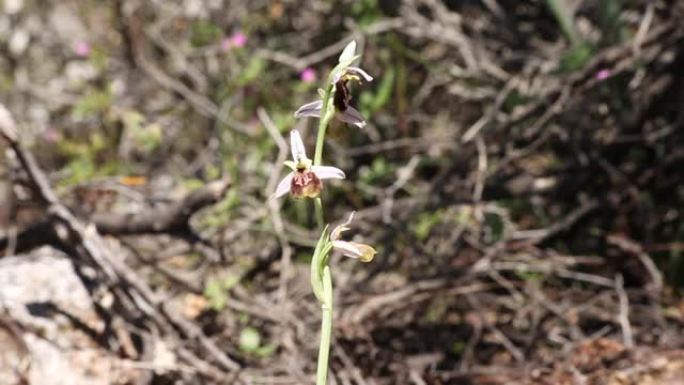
[328,172]
[284,186]
[352,116]
[312,109]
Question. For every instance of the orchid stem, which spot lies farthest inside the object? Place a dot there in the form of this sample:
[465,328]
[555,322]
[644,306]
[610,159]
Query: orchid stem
[322,267]
[318,154]
[322,126]
[320,217]
[326,328]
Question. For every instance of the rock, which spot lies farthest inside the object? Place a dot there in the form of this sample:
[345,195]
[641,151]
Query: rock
[39,293]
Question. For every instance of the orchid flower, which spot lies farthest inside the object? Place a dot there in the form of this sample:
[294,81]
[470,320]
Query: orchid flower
[360,251]
[339,77]
[305,179]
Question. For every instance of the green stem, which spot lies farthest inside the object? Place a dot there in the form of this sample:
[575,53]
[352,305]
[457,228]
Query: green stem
[320,218]
[326,115]
[319,265]
[326,328]
[318,260]
[560,10]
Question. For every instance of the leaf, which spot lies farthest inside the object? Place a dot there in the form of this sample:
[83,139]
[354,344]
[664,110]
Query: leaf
[216,295]
[253,71]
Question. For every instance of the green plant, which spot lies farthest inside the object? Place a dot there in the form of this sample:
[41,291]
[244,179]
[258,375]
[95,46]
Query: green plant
[304,181]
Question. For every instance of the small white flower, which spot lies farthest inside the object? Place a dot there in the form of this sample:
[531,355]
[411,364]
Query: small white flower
[305,179]
[360,251]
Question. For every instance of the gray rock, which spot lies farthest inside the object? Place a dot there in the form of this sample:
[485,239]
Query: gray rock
[46,347]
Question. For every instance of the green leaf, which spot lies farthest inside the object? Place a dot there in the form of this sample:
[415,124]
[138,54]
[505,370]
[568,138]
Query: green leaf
[216,291]
[425,223]
[494,227]
[317,262]
[253,71]
[265,350]
[561,10]
[92,103]
[216,295]
[576,58]
[375,102]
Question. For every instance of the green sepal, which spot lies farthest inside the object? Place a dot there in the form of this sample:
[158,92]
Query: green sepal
[348,51]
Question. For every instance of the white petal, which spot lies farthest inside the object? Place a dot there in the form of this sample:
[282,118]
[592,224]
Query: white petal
[327,172]
[347,248]
[352,116]
[348,51]
[297,146]
[361,72]
[312,109]
[284,186]
[357,70]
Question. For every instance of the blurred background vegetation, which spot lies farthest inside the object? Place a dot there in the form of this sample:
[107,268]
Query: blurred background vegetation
[521,169]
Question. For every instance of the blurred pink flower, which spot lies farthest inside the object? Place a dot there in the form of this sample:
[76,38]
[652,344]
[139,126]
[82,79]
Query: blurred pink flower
[603,74]
[236,40]
[239,39]
[82,48]
[308,75]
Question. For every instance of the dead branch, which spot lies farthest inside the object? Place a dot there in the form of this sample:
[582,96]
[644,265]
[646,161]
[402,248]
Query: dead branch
[173,219]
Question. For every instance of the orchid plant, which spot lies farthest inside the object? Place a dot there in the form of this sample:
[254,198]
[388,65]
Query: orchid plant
[304,181]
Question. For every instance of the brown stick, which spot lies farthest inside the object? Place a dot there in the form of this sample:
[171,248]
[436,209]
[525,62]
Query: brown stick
[173,219]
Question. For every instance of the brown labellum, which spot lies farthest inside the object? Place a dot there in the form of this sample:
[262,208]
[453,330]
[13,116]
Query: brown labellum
[305,184]
[342,96]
